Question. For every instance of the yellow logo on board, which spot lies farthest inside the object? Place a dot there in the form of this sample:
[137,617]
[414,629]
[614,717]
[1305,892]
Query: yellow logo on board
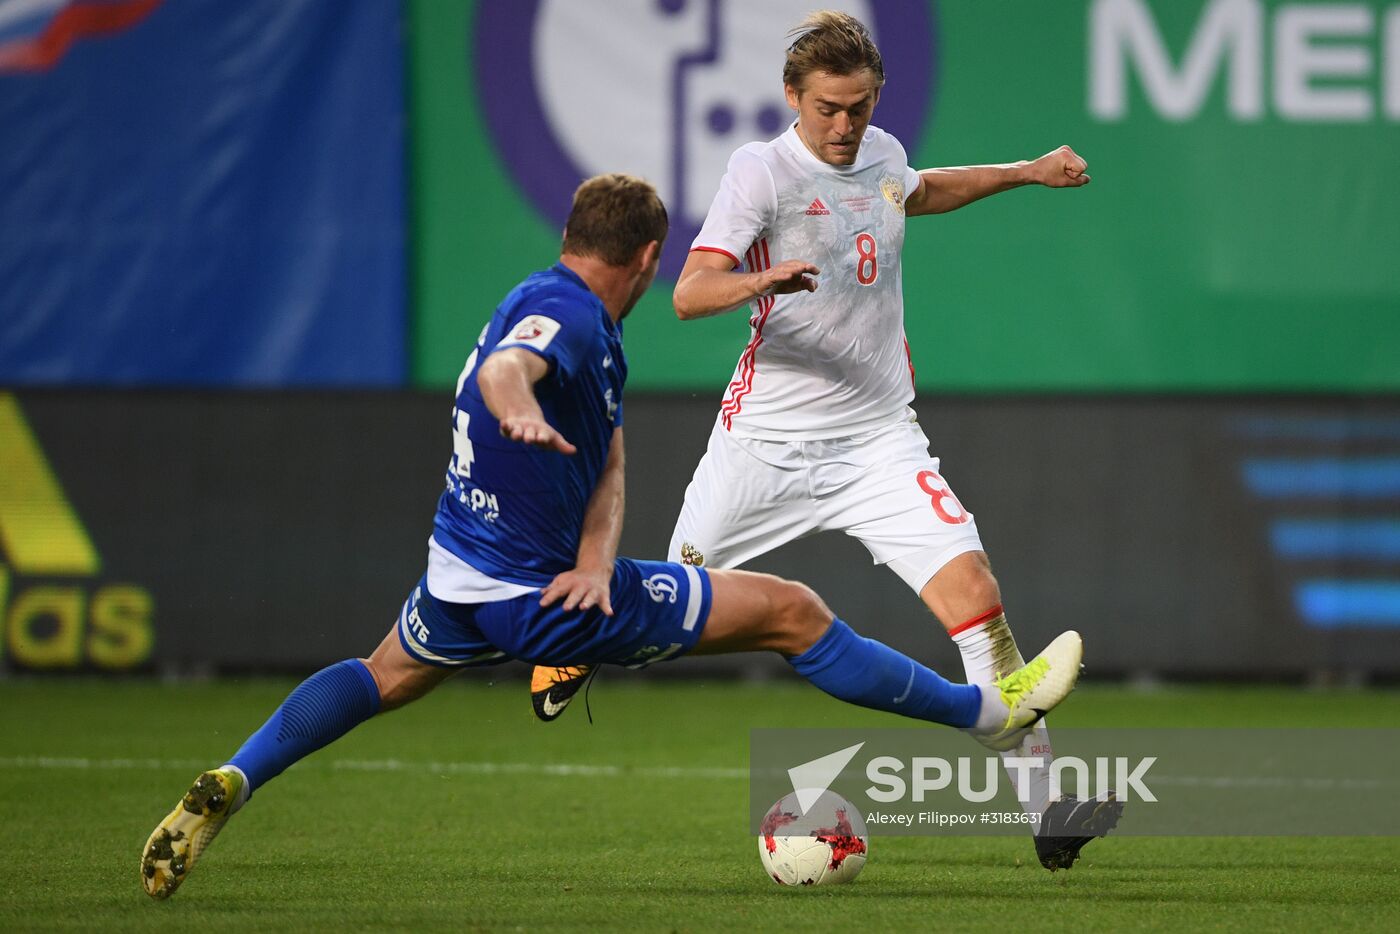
[51,621]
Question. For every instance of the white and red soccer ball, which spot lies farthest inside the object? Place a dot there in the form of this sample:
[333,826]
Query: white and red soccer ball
[824,845]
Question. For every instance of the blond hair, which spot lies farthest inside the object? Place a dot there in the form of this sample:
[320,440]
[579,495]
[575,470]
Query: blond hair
[613,216]
[834,42]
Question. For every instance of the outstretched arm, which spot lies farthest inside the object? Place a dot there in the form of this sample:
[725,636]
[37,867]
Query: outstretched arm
[943,190]
[590,582]
[507,382]
[709,285]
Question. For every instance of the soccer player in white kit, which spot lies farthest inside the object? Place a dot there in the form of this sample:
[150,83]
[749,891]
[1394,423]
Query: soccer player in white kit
[815,431]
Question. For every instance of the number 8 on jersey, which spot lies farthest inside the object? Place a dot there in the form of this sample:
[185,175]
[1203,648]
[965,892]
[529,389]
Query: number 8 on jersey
[867,268]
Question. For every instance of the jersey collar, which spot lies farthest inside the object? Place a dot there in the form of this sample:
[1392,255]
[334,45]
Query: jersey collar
[575,278]
[805,155]
[614,327]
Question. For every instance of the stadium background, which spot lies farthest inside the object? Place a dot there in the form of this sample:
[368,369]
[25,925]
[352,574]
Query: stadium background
[244,250]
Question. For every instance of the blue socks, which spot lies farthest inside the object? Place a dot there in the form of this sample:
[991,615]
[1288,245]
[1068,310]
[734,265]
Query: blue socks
[322,709]
[871,674]
[847,666]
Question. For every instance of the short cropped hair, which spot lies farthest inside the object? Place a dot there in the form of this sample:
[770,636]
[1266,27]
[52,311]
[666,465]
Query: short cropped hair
[833,42]
[613,216]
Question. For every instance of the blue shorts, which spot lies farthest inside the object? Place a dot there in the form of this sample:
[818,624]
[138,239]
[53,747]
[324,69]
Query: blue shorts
[659,611]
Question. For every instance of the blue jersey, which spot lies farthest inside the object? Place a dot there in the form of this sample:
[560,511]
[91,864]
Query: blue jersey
[512,511]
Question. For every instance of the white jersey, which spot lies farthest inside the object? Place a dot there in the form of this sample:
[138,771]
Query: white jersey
[834,362]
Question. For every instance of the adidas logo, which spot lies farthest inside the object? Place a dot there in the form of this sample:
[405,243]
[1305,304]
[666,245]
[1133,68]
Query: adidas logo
[58,608]
[816,207]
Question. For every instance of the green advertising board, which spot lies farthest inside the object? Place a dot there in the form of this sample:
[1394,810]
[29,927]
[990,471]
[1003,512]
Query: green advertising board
[1242,231]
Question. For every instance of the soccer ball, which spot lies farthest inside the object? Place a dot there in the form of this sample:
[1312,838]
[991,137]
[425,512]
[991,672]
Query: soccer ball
[823,846]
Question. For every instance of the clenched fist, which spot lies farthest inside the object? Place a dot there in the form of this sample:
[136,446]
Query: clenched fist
[1061,168]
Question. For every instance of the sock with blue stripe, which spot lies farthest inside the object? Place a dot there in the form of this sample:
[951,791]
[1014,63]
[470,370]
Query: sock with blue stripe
[869,673]
[322,709]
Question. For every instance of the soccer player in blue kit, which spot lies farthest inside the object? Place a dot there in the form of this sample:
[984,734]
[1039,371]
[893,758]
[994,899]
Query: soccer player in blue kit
[522,561]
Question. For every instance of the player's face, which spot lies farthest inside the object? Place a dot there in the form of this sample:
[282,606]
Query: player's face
[833,112]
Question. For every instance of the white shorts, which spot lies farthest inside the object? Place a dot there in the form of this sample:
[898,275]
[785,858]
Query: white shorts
[749,496]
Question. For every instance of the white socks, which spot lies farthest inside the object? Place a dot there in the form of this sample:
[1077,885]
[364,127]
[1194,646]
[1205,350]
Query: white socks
[243,792]
[991,718]
[989,652]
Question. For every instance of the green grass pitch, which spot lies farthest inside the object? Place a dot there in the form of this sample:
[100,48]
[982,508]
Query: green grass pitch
[367,835]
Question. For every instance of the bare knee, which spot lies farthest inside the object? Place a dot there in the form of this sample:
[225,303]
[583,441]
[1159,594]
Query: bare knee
[399,685]
[972,572]
[964,588]
[800,618]
[983,590]
[387,699]
[761,613]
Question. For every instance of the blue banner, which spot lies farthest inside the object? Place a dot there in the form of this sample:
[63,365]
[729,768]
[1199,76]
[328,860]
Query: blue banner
[202,193]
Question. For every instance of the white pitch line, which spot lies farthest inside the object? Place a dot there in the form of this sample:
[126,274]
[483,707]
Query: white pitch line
[557,769]
[534,768]
[1267,781]
[80,762]
[586,770]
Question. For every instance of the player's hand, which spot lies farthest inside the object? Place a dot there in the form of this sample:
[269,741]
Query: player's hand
[536,432]
[581,588]
[791,275]
[1062,168]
